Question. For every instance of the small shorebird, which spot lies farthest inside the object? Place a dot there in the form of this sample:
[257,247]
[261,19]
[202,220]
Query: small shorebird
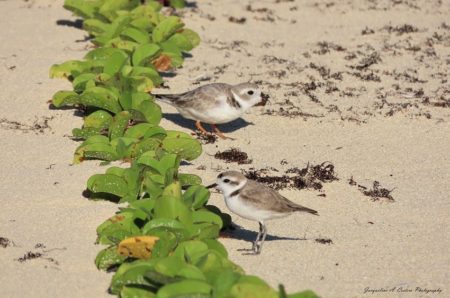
[255,201]
[215,103]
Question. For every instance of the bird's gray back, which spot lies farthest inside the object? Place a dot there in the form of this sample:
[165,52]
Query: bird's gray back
[264,197]
[206,96]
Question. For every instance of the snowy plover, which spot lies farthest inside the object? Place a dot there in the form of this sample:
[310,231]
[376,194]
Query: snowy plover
[255,201]
[215,103]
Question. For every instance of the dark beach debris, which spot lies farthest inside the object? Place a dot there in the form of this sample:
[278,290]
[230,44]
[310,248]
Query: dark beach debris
[308,177]
[400,30]
[326,47]
[237,20]
[367,31]
[377,192]
[29,256]
[324,241]
[205,138]
[38,126]
[367,61]
[5,242]
[233,155]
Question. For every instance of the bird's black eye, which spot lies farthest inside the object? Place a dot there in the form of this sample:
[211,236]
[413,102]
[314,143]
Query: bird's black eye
[250,92]
[226,180]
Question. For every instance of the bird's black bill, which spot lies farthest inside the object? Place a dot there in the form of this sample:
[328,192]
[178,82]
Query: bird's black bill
[211,185]
[264,99]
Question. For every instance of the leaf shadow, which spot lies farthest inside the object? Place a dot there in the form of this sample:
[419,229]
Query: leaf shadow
[190,124]
[78,23]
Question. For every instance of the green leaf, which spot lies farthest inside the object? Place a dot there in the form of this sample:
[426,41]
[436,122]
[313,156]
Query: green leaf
[173,190]
[213,244]
[95,26]
[252,286]
[140,83]
[108,257]
[145,205]
[80,82]
[67,69]
[224,281]
[102,98]
[81,8]
[63,98]
[196,196]
[98,119]
[115,171]
[181,41]
[125,45]
[138,131]
[204,231]
[166,28]
[172,208]
[113,30]
[192,36]
[95,151]
[144,54]
[204,216]
[115,62]
[189,179]
[119,124]
[148,144]
[182,144]
[304,294]
[108,184]
[161,223]
[123,146]
[191,250]
[86,132]
[96,139]
[185,288]
[176,58]
[135,291]
[149,72]
[177,3]
[137,35]
[110,7]
[130,274]
[102,54]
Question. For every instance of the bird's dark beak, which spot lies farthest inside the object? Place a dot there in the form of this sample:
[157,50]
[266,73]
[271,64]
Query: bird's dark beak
[264,99]
[211,185]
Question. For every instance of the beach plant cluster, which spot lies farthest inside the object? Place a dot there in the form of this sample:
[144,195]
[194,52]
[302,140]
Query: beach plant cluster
[163,241]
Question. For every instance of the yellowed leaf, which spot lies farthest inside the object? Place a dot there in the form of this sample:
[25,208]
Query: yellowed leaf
[137,247]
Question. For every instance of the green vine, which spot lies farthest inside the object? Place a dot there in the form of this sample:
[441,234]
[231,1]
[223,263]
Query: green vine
[164,242]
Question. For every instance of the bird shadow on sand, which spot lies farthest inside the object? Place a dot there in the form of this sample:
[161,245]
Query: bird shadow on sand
[190,124]
[247,235]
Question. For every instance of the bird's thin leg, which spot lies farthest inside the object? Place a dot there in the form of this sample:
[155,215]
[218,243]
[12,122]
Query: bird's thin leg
[199,126]
[264,234]
[219,133]
[255,244]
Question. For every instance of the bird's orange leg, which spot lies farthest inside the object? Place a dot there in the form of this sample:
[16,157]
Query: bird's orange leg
[219,133]
[199,126]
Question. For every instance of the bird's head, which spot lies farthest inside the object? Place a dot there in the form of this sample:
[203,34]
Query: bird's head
[249,95]
[228,182]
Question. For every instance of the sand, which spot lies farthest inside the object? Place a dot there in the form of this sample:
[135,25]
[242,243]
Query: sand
[372,98]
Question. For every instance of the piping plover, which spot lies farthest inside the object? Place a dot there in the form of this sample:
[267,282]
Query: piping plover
[255,201]
[215,103]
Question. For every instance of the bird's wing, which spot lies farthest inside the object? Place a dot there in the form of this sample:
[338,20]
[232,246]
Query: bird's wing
[206,95]
[261,195]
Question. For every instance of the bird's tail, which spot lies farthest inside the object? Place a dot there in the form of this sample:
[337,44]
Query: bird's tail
[167,98]
[304,209]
